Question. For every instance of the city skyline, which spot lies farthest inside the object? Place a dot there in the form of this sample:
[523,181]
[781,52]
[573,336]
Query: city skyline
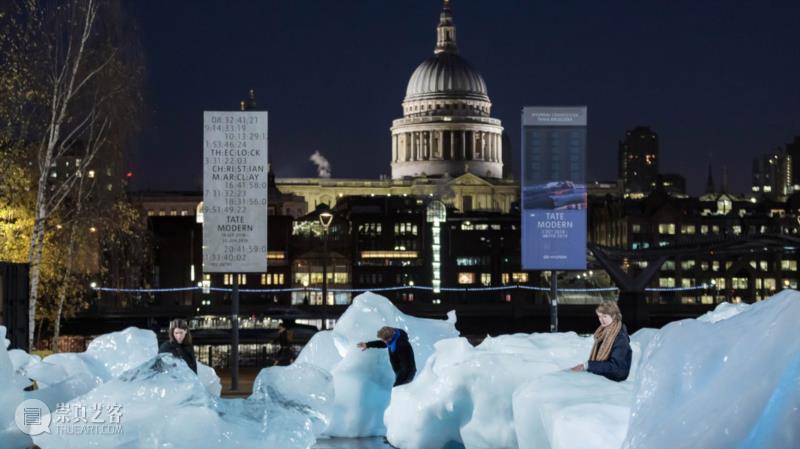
[694,73]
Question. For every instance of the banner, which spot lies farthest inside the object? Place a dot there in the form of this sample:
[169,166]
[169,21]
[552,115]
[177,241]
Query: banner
[235,185]
[553,197]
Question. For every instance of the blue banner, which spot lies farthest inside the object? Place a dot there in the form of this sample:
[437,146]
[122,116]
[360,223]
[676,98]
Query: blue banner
[554,197]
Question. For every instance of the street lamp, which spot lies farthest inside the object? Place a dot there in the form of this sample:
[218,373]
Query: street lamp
[325,219]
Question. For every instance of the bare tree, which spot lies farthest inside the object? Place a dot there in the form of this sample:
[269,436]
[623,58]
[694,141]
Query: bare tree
[79,59]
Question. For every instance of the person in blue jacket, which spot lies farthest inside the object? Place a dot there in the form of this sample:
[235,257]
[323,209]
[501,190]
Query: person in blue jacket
[401,354]
[611,352]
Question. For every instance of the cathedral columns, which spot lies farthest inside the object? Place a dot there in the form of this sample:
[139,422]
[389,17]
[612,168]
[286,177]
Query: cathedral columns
[463,145]
[409,143]
[490,145]
[482,145]
[498,147]
[415,153]
[428,148]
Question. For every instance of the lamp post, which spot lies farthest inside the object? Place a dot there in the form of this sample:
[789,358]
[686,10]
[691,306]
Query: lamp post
[325,219]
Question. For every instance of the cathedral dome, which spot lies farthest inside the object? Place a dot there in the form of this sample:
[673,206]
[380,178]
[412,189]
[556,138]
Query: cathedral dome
[446,75]
[446,128]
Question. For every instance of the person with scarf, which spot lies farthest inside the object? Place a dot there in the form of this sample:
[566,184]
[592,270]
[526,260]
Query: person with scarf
[401,354]
[611,353]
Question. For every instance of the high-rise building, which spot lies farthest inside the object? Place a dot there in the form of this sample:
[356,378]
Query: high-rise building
[772,173]
[638,161]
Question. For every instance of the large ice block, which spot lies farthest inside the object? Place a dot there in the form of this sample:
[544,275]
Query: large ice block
[363,380]
[728,383]
[162,404]
[10,397]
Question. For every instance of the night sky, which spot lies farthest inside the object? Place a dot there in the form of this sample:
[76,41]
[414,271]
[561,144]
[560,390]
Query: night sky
[718,79]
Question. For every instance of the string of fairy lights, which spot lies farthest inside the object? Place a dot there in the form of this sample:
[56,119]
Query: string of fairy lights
[205,289]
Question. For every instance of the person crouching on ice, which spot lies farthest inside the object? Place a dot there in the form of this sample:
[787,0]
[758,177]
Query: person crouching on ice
[611,353]
[401,354]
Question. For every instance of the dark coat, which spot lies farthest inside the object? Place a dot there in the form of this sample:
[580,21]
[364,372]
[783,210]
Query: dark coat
[185,352]
[402,358]
[618,364]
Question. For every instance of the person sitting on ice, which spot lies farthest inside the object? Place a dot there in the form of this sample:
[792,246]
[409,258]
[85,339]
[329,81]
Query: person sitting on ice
[611,353]
[180,343]
[401,354]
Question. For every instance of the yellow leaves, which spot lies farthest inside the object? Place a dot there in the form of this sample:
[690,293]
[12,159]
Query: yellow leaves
[16,225]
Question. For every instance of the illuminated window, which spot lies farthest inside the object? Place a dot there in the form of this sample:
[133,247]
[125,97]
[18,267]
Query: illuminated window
[519,278]
[405,229]
[789,265]
[666,228]
[704,229]
[688,229]
[504,278]
[715,229]
[466,278]
[340,278]
[720,283]
[302,279]
[666,282]
[739,283]
[486,279]
[399,254]
[266,279]
[764,265]
[227,279]
[370,229]
[770,284]
[275,255]
[704,265]
[636,228]
[687,282]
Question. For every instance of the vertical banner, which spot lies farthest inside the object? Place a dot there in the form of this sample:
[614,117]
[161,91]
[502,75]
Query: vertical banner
[553,187]
[235,185]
